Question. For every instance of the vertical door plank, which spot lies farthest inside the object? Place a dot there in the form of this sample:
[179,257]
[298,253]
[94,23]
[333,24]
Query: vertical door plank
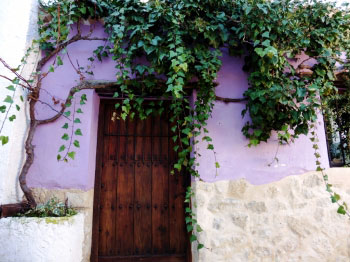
[143,192]
[160,188]
[125,195]
[160,211]
[107,210]
[124,218]
[108,190]
[178,234]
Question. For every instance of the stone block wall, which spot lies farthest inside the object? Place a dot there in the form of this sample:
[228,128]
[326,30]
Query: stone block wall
[289,220]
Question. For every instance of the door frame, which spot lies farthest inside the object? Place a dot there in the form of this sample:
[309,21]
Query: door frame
[97,186]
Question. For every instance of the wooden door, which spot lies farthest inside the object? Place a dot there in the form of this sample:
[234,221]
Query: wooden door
[139,207]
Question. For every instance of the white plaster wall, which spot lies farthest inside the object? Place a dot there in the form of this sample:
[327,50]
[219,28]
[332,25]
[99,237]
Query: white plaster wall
[17,30]
[81,200]
[289,220]
[42,239]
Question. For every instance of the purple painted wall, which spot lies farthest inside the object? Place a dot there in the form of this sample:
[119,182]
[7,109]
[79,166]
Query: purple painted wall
[46,171]
[236,159]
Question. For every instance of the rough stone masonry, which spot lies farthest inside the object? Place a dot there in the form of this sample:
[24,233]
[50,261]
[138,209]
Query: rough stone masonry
[286,221]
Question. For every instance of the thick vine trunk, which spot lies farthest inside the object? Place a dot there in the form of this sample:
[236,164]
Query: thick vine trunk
[34,124]
[30,157]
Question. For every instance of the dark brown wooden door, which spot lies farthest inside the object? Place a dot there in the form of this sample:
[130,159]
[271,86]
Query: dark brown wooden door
[139,206]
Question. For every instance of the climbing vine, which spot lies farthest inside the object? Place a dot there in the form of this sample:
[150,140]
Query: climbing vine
[167,49]
[336,114]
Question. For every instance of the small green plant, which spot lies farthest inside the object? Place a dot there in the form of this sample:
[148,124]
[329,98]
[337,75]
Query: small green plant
[52,208]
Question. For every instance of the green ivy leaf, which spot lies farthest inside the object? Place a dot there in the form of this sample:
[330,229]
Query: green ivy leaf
[59,61]
[193,238]
[76,143]
[328,188]
[71,155]
[177,166]
[200,246]
[210,147]
[155,40]
[266,34]
[189,228]
[3,109]
[254,142]
[335,198]
[79,111]
[11,118]
[257,132]
[247,9]
[259,51]
[65,136]
[82,10]
[62,148]
[8,99]
[11,88]
[266,43]
[4,140]
[77,121]
[199,229]
[78,132]
[207,138]
[341,210]
[65,126]
[124,115]
[83,99]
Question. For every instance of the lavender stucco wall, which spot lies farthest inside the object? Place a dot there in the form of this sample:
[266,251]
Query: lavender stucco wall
[46,171]
[236,159]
